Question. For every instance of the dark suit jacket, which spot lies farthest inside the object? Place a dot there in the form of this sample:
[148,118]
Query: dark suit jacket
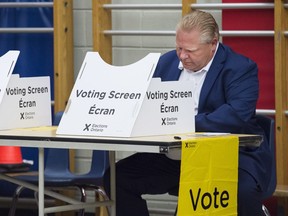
[227,104]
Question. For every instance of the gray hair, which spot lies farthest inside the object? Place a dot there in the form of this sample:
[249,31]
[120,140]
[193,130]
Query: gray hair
[202,21]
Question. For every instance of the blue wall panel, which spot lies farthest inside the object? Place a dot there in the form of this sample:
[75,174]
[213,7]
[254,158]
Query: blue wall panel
[36,53]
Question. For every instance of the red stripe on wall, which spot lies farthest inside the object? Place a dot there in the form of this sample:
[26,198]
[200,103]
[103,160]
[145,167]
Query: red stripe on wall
[259,49]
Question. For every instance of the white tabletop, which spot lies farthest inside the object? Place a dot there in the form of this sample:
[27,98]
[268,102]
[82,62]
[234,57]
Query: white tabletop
[38,137]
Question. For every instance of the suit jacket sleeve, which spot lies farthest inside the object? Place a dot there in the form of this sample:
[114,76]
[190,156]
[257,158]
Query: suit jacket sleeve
[229,94]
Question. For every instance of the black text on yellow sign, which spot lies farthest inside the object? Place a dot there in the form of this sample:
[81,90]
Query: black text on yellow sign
[206,200]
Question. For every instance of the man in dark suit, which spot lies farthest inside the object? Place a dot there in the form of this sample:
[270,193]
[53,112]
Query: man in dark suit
[226,92]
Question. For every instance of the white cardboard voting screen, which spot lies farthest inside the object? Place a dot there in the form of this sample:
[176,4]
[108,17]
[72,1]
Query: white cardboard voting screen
[24,102]
[122,101]
[168,108]
[7,64]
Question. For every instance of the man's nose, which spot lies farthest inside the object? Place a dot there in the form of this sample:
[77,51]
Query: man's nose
[183,55]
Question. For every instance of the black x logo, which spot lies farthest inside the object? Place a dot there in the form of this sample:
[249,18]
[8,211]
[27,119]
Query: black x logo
[22,116]
[86,127]
[163,121]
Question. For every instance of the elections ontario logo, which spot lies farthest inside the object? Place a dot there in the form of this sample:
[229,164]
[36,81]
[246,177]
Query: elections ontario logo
[99,128]
[166,121]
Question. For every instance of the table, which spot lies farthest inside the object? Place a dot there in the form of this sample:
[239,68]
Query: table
[46,137]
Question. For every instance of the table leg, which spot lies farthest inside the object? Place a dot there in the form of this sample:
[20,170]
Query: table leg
[112,182]
[41,181]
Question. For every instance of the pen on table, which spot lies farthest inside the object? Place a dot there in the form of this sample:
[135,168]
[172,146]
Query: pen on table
[177,137]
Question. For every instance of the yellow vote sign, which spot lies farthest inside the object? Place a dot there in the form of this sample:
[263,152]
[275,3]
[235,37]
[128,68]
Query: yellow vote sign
[209,176]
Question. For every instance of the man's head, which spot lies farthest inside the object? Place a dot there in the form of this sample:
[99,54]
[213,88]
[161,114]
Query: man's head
[197,35]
